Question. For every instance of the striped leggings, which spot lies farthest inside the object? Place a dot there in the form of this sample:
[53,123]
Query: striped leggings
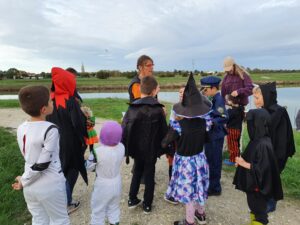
[233,143]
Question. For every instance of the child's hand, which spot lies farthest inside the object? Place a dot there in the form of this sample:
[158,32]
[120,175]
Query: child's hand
[241,162]
[17,185]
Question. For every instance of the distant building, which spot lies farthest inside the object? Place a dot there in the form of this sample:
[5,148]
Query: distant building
[82,68]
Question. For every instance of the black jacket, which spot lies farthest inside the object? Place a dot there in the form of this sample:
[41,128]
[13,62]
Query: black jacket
[144,126]
[281,130]
[263,175]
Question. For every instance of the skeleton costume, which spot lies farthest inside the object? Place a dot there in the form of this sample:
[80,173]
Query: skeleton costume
[43,181]
[107,191]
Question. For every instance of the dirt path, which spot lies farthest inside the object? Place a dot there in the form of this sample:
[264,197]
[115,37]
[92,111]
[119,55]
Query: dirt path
[228,209]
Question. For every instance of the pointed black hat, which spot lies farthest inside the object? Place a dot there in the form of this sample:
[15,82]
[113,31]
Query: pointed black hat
[193,103]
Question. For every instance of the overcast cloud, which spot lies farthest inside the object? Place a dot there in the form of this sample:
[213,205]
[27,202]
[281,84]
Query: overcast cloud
[179,34]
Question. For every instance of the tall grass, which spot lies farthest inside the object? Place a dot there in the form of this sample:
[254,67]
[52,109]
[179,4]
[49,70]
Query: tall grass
[12,204]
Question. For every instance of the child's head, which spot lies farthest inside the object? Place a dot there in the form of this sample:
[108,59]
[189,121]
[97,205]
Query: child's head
[149,86]
[181,91]
[111,133]
[210,85]
[35,100]
[258,97]
[86,111]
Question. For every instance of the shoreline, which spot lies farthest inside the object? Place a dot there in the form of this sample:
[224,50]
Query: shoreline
[124,88]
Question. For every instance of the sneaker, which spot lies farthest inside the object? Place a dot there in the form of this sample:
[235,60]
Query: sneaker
[73,207]
[228,162]
[201,218]
[146,208]
[133,203]
[171,200]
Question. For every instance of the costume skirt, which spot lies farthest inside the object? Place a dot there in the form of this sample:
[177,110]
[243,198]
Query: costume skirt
[92,136]
[190,179]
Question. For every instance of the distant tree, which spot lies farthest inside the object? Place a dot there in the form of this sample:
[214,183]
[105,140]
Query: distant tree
[129,74]
[102,74]
[2,74]
[84,75]
[12,73]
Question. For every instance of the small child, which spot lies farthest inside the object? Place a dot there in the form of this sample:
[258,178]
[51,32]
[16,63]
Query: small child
[190,175]
[213,149]
[257,172]
[107,191]
[90,122]
[281,131]
[43,181]
[144,128]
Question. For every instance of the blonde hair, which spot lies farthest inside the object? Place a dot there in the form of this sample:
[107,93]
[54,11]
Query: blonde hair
[256,90]
[241,71]
[86,111]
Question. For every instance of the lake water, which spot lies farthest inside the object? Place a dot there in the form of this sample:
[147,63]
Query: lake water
[289,97]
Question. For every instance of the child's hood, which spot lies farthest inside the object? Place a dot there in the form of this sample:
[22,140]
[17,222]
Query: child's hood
[258,121]
[269,94]
[64,85]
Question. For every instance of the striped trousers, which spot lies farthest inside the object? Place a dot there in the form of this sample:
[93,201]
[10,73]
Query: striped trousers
[233,143]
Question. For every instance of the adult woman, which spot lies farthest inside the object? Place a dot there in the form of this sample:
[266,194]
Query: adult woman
[236,88]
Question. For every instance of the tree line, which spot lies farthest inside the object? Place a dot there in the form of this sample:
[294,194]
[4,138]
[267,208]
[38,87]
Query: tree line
[14,73]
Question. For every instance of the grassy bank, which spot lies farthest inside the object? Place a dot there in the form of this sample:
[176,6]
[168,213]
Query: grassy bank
[12,207]
[120,83]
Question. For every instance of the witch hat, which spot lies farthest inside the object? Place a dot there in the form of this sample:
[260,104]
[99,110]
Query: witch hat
[192,104]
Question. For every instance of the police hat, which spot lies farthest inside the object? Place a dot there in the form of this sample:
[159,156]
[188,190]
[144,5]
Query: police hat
[210,81]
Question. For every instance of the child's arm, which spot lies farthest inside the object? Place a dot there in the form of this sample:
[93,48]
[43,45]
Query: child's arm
[51,145]
[239,161]
[91,163]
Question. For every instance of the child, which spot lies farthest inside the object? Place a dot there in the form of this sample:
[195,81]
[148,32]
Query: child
[90,123]
[68,116]
[213,149]
[43,181]
[107,191]
[172,146]
[281,131]
[190,175]
[257,172]
[144,128]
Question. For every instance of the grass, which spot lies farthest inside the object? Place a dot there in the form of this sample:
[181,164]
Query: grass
[123,81]
[12,207]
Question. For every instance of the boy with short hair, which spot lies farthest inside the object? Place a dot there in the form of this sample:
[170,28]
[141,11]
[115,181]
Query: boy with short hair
[281,132]
[213,149]
[43,181]
[144,128]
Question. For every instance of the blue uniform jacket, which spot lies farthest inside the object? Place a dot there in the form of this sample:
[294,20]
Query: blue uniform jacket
[219,117]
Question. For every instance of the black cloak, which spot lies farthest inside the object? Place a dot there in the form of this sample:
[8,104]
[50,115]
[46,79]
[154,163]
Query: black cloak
[281,130]
[263,176]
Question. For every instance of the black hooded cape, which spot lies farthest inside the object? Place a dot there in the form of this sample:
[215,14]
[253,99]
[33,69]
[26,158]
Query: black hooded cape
[281,130]
[263,176]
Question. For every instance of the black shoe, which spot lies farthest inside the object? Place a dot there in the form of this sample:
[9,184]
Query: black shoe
[146,208]
[214,193]
[201,218]
[133,203]
[171,200]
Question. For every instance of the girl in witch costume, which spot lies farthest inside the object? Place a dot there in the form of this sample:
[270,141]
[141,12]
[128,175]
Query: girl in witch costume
[257,171]
[190,175]
[71,121]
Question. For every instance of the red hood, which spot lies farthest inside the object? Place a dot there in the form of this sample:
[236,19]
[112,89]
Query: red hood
[64,84]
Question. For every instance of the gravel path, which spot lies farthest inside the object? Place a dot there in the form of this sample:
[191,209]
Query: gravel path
[228,209]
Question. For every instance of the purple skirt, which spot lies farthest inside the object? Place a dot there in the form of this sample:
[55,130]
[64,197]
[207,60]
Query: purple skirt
[190,179]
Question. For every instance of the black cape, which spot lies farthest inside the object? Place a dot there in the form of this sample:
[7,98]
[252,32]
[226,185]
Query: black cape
[281,130]
[264,175]
[71,122]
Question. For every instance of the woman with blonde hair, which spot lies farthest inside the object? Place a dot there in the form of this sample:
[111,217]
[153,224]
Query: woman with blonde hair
[236,88]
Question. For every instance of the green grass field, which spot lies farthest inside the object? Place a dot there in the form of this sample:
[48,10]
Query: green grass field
[12,204]
[123,81]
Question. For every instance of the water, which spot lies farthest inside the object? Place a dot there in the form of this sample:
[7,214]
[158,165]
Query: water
[288,97]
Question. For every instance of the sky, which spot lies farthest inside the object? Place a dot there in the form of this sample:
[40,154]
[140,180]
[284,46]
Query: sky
[36,35]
